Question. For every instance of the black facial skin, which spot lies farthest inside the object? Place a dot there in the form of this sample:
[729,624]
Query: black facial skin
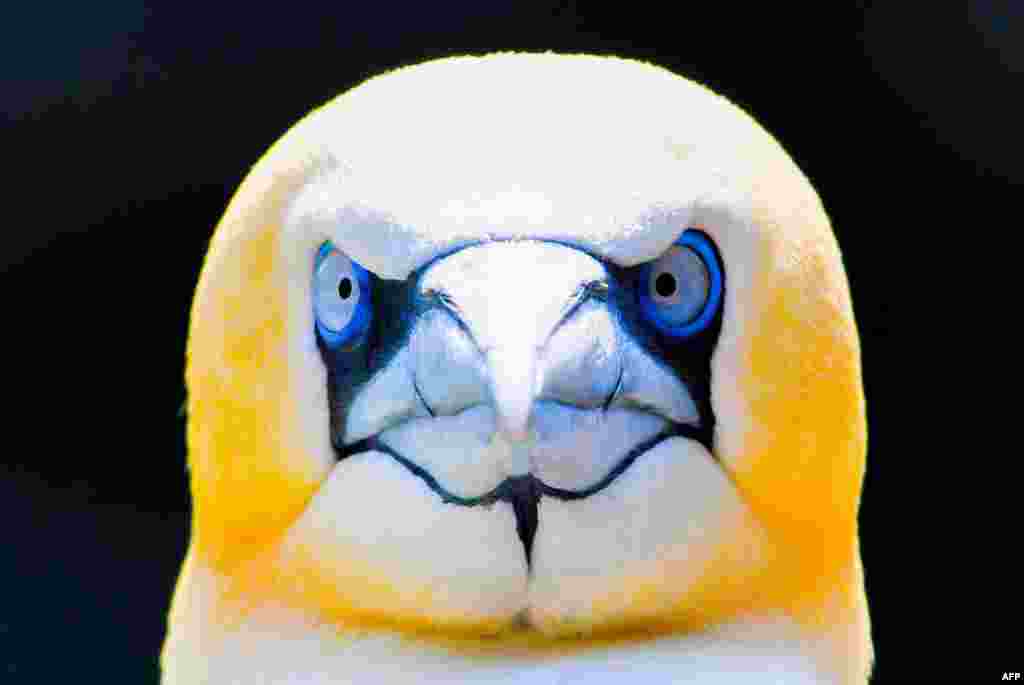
[397,305]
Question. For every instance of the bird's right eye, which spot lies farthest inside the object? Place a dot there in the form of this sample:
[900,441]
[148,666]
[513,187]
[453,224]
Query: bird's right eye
[341,298]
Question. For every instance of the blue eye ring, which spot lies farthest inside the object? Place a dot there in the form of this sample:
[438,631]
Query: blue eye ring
[359,324]
[703,247]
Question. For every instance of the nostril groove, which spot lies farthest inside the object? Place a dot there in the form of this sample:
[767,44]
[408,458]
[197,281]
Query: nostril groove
[422,399]
[615,391]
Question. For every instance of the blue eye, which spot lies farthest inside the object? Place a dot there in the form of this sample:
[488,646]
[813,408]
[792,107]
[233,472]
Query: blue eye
[341,297]
[681,291]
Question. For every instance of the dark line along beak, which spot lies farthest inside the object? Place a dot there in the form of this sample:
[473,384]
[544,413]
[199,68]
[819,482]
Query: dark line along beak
[522,492]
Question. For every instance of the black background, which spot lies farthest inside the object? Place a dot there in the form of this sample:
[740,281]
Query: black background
[127,125]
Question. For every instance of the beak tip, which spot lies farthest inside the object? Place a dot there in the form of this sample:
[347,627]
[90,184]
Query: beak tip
[513,419]
[514,432]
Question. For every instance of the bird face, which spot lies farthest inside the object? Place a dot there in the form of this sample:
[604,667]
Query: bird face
[563,353]
[512,372]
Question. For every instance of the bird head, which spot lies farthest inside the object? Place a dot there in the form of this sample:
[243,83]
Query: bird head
[535,351]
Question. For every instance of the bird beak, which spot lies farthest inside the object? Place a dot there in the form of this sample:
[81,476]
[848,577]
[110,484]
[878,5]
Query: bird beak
[516,364]
[510,299]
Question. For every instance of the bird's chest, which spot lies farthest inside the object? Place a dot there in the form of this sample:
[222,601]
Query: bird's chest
[253,655]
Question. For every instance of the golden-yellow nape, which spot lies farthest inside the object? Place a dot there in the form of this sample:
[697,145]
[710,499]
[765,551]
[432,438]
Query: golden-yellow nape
[486,189]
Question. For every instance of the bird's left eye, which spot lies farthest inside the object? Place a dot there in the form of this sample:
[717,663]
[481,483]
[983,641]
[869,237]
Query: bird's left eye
[341,297]
[681,291]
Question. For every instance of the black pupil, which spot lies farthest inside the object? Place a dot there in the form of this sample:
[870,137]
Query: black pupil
[665,284]
[345,288]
